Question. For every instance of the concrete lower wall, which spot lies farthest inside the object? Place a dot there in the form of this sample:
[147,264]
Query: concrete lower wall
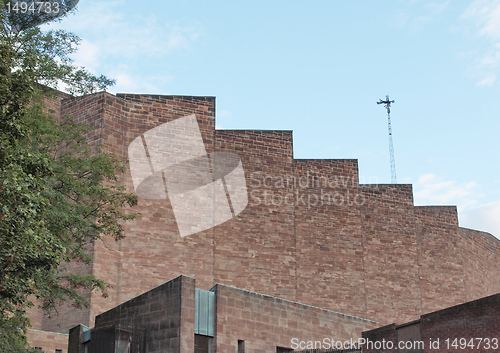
[166,313]
[49,342]
[472,327]
[163,320]
[264,322]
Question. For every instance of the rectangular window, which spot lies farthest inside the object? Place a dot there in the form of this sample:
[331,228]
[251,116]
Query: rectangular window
[58,350]
[283,350]
[241,346]
[202,344]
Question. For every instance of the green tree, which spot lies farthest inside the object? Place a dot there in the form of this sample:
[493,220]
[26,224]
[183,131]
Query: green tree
[57,194]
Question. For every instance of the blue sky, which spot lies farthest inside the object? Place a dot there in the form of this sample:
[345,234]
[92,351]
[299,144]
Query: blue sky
[318,68]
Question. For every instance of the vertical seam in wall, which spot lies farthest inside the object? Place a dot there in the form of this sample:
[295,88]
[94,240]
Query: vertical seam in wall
[119,275]
[120,248]
[464,275]
[102,119]
[213,204]
[90,294]
[416,229]
[295,231]
[99,142]
[216,313]
[180,314]
[363,252]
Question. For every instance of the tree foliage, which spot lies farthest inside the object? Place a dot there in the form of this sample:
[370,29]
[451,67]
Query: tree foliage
[57,194]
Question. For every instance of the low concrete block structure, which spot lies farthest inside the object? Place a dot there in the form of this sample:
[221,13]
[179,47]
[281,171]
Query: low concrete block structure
[176,317]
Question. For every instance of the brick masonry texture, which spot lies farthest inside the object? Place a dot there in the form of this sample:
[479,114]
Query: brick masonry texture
[473,320]
[442,282]
[328,235]
[152,251]
[390,253]
[480,253]
[259,242]
[310,233]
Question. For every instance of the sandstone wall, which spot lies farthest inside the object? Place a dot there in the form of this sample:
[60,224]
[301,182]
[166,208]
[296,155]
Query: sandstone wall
[363,250]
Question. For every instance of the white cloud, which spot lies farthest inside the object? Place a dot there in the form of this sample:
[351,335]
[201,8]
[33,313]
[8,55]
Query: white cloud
[485,15]
[484,18]
[112,36]
[433,190]
[484,217]
[488,80]
[437,7]
[137,37]
[128,82]
[429,11]
[87,56]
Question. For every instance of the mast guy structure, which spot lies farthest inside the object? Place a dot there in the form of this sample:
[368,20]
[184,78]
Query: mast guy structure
[387,105]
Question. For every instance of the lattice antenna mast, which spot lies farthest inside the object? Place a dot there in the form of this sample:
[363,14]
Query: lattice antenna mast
[387,105]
